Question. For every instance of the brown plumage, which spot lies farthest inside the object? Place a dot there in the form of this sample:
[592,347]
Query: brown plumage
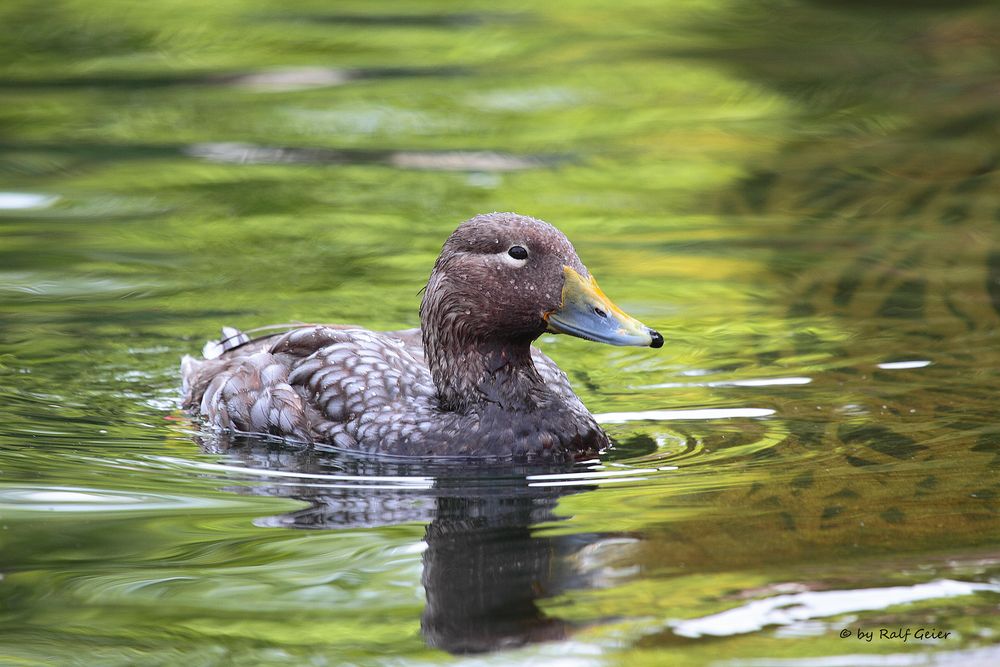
[467,383]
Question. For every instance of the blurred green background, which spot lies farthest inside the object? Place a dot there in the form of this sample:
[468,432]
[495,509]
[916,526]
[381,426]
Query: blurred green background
[802,196]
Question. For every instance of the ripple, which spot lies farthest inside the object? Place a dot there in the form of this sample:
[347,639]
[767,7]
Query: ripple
[593,475]
[526,100]
[978,657]
[788,609]
[44,285]
[292,78]
[903,365]
[70,499]
[16,201]
[589,478]
[678,415]
[759,382]
[390,481]
[587,483]
[463,161]
[478,161]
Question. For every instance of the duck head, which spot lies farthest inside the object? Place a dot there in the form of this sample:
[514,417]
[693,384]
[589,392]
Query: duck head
[504,279]
[504,275]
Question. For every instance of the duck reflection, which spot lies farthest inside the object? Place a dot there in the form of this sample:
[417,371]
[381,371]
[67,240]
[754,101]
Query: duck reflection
[486,567]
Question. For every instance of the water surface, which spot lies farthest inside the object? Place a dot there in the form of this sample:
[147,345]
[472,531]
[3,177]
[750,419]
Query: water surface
[801,196]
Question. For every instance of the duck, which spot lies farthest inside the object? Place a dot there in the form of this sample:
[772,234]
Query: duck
[468,383]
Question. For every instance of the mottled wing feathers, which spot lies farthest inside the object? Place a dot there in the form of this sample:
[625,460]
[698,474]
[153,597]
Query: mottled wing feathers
[313,383]
[253,394]
[360,383]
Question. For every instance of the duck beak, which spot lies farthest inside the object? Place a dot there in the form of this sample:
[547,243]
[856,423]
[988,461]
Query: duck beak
[587,313]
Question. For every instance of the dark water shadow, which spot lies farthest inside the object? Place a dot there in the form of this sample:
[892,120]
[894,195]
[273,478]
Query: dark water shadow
[486,565]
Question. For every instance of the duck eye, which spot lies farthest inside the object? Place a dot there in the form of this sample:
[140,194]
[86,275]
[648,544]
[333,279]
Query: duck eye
[518,252]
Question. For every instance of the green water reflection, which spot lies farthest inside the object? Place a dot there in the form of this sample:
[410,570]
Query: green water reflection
[801,196]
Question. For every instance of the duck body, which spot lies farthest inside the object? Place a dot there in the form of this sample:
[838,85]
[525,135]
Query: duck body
[373,392]
[467,383]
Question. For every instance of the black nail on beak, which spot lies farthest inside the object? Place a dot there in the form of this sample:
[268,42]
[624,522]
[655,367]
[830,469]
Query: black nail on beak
[657,339]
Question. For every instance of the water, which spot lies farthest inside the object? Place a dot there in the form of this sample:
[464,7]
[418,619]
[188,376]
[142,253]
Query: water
[801,196]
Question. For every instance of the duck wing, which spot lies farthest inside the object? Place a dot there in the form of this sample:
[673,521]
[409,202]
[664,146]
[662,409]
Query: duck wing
[323,383]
